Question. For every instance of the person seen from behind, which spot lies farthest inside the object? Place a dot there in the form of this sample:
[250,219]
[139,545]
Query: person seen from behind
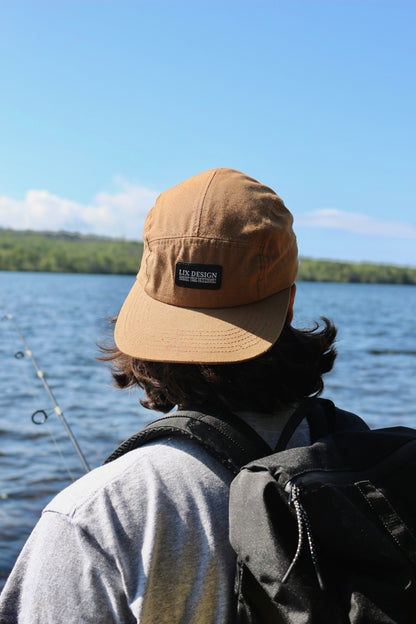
[207,326]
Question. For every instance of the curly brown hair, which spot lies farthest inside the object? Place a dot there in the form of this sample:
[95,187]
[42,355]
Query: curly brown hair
[289,372]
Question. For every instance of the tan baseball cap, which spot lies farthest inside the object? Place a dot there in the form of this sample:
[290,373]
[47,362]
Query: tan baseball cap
[219,259]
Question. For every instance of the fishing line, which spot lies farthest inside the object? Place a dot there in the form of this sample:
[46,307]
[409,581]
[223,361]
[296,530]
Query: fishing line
[41,376]
[40,417]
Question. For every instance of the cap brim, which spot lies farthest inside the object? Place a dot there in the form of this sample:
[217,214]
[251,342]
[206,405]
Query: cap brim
[148,329]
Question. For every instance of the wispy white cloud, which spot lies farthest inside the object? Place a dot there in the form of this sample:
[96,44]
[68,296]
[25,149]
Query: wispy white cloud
[119,214]
[123,212]
[355,223]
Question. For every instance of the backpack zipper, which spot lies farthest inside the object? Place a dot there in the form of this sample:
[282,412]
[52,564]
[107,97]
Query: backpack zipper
[304,528]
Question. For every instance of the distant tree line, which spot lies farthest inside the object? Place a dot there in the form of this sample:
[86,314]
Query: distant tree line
[64,252]
[354,273]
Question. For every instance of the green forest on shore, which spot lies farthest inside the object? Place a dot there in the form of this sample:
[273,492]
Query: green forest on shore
[65,252]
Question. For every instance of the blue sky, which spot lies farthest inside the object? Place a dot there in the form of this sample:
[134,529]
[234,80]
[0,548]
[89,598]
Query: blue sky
[105,104]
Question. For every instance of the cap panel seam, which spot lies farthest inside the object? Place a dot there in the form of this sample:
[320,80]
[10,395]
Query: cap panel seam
[262,263]
[288,249]
[201,203]
[201,239]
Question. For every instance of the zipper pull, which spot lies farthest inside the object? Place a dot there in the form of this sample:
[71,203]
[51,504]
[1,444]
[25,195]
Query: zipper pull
[304,527]
[293,501]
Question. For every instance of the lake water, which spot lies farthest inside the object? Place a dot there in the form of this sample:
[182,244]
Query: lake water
[62,317]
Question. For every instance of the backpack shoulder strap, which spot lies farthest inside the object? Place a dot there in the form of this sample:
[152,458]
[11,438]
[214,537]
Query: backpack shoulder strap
[226,437]
[323,418]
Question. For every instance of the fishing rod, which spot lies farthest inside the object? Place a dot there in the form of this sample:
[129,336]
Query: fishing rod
[56,408]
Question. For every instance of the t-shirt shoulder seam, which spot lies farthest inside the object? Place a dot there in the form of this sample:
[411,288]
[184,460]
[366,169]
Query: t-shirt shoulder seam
[77,506]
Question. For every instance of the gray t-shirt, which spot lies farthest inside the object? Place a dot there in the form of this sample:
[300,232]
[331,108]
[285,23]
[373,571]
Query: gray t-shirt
[142,539]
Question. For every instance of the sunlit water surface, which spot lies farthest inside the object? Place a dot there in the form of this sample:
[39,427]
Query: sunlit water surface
[63,317]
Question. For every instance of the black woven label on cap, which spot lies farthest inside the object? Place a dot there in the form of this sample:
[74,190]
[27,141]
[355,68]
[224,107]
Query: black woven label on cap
[203,276]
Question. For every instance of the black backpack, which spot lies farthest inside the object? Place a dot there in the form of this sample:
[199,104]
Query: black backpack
[323,533]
